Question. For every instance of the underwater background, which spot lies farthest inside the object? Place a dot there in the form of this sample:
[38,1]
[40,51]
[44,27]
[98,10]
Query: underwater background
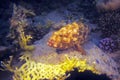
[59,40]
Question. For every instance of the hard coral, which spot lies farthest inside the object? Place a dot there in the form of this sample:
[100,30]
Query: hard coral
[32,70]
[71,35]
[24,39]
[17,29]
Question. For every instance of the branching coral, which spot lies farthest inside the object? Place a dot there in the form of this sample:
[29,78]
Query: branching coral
[32,70]
[18,24]
[24,39]
[7,65]
[71,35]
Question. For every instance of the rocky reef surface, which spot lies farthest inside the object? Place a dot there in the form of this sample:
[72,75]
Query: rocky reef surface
[103,63]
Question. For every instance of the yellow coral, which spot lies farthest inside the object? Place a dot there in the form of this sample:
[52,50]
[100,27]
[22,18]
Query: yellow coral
[32,70]
[7,65]
[69,36]
[24,39]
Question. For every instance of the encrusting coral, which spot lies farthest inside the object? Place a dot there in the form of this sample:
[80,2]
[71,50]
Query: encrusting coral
[32,70]
[71,35]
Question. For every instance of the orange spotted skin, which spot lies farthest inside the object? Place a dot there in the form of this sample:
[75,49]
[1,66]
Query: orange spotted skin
[71,35]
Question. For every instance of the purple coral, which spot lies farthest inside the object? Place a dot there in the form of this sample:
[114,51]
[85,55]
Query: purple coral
[107,45]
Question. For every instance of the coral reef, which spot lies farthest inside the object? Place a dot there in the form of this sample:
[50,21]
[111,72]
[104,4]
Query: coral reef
[104,63]
[108,45]
[108,23]
[38,29]
[70,35]
[31,70]
[54,66]
[7,65]
[18,23]
[108,4]
[44,62]
[24,39]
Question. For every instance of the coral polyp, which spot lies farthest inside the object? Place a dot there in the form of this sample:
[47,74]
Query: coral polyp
[71,35]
